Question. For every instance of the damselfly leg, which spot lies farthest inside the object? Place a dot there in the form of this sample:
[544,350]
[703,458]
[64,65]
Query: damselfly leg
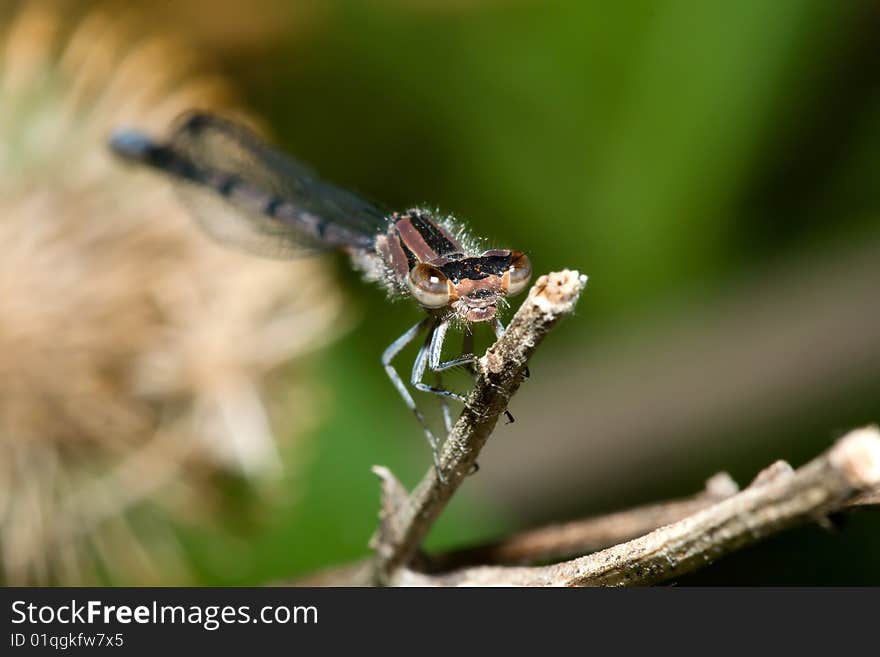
[429,356]
[444,405]
[467,346]
[435,350]
[387,356]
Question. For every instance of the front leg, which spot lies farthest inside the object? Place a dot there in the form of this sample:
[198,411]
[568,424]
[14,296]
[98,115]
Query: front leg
[429,355]
[436,349]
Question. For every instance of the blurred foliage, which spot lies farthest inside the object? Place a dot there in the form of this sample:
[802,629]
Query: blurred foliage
[660,146]
[632,136]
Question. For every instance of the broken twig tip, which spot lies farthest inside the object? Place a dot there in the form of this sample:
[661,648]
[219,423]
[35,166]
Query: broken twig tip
[557,292]
[393,497]
[857,456]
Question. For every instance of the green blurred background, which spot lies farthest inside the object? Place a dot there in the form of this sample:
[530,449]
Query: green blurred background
[712,166]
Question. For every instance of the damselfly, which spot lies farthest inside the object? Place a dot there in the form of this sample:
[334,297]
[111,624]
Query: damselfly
[250,196]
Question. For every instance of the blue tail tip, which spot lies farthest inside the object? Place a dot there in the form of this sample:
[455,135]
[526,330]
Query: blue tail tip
[130,143]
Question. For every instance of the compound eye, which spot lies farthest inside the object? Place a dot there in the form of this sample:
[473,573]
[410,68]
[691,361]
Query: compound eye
[520,272]
[429,286]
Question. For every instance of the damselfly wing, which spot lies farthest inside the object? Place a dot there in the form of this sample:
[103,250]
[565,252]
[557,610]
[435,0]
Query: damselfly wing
[249,196]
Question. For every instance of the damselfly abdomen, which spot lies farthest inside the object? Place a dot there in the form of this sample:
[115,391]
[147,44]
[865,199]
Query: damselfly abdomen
[245,194]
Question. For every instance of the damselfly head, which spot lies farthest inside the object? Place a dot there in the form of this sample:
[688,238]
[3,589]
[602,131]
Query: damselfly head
[471,286]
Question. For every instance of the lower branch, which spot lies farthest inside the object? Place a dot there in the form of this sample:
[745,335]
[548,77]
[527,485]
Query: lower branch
[846,475]
[565,540]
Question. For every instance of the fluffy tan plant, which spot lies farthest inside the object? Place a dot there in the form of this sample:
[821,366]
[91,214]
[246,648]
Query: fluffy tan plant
[133,351]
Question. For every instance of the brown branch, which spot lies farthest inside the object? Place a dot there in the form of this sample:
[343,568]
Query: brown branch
[404,522]
[578,537]
[548,543]
[778,498]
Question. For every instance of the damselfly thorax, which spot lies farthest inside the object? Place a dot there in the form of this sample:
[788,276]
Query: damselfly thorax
[247,195]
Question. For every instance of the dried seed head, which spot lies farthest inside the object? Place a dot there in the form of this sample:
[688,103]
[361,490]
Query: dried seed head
[133,351]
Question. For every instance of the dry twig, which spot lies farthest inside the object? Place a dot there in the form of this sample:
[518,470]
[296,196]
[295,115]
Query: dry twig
[846,475]
[856,461]
[406,521]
